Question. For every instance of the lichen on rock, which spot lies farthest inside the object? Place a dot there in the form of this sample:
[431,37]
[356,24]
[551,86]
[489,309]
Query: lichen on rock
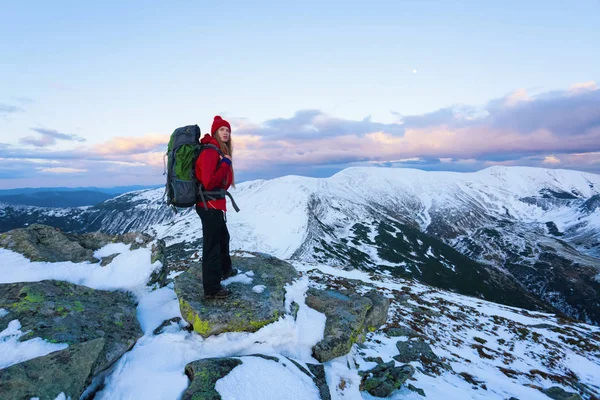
[245,310]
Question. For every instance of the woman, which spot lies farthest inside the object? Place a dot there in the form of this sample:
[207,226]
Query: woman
[215,172]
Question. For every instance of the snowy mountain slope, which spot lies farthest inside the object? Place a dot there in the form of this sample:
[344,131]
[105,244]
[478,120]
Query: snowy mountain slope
[128,212]
[485,350]
[525,231]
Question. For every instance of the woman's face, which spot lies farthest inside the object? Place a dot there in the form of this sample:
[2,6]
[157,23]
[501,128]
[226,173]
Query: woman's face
[224,134]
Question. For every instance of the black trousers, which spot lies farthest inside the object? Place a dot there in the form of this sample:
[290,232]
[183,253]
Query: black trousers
[216,260]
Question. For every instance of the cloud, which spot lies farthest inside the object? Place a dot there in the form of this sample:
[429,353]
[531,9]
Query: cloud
[551,160]
[533,129]
[11,169]
[62,170]
[562,113]
[118,161]
[58,135]
[439,117]
[19,153]
[558,129]
[48,137]
[6,109]
[44,141]
[517,97]
[583,86]
[24,99]
[310,124]
[133,145]
[125,150]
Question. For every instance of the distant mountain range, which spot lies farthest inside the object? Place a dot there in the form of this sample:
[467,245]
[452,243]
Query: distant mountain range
[526,237]
[63,196]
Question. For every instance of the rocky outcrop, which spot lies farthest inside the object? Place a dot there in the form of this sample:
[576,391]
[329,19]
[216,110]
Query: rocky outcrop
[377,314]
[382,380]
[414,350]
[159,276]
[402,331]
[417,349]
[349,317]
[65,371]
[45,243]
[99,326]
[558,393]
[318,373]
[204,374]
[246,309]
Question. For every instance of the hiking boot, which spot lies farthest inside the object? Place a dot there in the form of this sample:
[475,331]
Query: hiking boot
[232,272]
[220,294]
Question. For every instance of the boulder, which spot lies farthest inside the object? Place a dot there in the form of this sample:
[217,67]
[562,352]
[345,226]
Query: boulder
[205,373]
[413,350]
[558,393]
[61,312]
[159,276]
[382,380]
[349,317]
[378,312]
[415,389]
[66,371]
[245,310]
[402,331]
[45,243]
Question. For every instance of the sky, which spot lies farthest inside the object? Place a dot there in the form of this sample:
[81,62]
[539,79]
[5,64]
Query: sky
[91,91]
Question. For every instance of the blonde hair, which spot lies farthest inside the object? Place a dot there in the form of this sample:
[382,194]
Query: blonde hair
[227,149]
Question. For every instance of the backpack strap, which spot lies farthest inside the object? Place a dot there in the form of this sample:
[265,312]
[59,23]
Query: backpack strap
[211,146]
[217,195]
[214,194]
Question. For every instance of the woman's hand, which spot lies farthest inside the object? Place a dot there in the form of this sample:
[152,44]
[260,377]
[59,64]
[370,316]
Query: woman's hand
[225,158]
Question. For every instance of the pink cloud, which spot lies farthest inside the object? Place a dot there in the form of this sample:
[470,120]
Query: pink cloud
[132,145]
[551,160]
[439,142]
[583,86]
[517,97]
[516,127]
[556,129]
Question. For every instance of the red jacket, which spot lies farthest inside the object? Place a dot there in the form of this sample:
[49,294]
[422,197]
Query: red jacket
[213,174]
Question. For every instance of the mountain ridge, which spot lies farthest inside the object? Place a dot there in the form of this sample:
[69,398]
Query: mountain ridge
[527,230]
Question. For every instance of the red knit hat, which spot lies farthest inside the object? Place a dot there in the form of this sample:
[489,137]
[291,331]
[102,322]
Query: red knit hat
[218,123]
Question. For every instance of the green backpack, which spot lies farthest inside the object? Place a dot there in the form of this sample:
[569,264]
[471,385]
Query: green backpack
[183,150]
[183,189]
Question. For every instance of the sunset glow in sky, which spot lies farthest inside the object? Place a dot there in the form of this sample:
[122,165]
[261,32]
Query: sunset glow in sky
[90,91]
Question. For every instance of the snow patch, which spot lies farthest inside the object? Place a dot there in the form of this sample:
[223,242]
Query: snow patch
[61,396]
[259,288]
[244,278]
[110,249]
[13,351]
[174,274]
[244,254]
[258,378]
[429,252]
[130,270]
